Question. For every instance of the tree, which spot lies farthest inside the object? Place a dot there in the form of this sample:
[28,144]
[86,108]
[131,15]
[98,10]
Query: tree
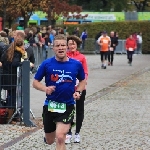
[4,4]
[18,8]
[56,8]
[23,8]
[140,5]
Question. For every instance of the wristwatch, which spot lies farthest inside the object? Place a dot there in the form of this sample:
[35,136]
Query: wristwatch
[79,92]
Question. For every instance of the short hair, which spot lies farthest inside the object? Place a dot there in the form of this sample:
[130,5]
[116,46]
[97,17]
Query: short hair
[60,37]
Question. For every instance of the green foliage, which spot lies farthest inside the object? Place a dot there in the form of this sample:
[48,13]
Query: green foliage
[124,29]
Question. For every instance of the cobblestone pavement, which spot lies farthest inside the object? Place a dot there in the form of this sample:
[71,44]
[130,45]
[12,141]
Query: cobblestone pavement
[118,120]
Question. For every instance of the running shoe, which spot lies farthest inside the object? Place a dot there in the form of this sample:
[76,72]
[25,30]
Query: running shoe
[104,67]
[76,138]
[68,139]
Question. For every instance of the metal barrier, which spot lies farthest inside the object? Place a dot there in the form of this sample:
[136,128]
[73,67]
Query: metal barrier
[42,53]
[91,47]
[120,48]
[15,83]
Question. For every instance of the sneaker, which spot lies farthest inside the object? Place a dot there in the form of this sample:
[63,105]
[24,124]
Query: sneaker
[104,67]
[76,138]
[130,64]
[68,139]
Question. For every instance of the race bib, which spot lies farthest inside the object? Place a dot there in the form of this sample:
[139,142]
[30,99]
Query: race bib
[111,49]
[130,49]
[56,107]
[105,41]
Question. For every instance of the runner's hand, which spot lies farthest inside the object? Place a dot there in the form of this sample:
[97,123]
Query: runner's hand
[76,96]
[50,89]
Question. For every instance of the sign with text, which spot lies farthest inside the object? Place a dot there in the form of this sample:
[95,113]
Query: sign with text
[101,17]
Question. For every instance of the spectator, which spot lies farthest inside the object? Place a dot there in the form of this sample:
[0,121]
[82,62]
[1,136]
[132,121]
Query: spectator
[139,43]
[83,37]
[11,59]
[97,47]
[134,35]
[47,44]
[4,37]
[76,32]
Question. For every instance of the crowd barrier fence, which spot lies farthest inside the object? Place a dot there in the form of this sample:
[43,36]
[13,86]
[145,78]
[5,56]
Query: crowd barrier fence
[15,93]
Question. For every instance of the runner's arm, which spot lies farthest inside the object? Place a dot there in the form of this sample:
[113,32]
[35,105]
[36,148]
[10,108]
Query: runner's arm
[81,85]
[39,86]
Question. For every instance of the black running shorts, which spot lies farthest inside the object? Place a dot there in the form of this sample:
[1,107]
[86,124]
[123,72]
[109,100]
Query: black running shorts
[51,118]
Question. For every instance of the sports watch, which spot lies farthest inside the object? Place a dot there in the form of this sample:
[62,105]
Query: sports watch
[79,92]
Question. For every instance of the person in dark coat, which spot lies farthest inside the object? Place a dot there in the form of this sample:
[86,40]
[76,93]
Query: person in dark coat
[11,59]
[114,43]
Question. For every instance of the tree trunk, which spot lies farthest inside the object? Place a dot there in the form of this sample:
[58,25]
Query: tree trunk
[9,22]
[4,17]
[49,16]
[26,19]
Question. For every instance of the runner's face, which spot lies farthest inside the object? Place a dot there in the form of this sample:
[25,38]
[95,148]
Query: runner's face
[130,36]
[72,45]
[60,49]
[111,34]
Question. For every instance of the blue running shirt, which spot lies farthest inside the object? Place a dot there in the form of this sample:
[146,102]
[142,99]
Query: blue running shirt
[62,75]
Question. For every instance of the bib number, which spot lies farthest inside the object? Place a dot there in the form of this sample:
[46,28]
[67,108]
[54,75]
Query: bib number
[130,49]
[56,107]
[111,48]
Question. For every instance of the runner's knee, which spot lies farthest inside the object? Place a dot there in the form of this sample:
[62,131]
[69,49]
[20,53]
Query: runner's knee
[60,138]
[50,141]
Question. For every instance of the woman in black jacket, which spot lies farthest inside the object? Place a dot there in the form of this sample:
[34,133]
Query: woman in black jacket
[114,43]
[11,59]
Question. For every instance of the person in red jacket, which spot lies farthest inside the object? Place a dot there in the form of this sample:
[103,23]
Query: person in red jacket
[130,46]
[74,42]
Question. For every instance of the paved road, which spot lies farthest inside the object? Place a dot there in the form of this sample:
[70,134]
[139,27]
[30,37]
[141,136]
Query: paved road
[98,78]
[116,115]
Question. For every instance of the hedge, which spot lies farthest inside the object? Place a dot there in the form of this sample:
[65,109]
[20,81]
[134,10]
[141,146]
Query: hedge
[124,29]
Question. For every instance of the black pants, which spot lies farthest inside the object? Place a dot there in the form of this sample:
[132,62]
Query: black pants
[110,56]
[129,55]
[104,55]
[79,112]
